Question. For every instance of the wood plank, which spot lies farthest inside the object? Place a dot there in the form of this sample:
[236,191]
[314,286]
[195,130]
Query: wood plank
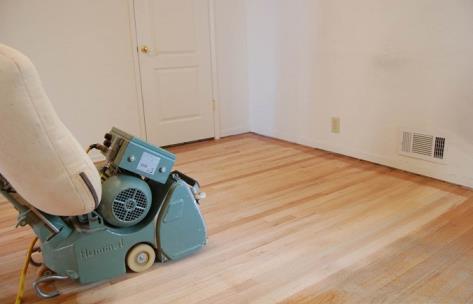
[293,224]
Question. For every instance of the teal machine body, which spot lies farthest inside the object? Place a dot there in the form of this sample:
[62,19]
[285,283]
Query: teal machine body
[147,213]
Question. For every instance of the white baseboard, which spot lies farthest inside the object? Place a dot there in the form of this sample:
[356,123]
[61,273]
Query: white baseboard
[390,162]
[235,131]
[378,159]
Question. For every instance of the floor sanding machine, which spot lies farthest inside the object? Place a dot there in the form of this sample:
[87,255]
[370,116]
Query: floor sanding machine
[135,209]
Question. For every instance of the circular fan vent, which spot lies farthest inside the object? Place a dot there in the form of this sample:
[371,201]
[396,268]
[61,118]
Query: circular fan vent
[126,200]
[130,206]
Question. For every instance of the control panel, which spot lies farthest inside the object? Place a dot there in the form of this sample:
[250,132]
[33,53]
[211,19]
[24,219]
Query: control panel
[135,155]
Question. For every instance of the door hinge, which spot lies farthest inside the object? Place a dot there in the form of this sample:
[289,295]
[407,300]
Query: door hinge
[214,104]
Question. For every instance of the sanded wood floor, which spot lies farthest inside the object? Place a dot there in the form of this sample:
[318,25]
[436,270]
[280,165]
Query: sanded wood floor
[293,224]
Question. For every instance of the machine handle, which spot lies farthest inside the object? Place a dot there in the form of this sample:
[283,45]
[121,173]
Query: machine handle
[44,294]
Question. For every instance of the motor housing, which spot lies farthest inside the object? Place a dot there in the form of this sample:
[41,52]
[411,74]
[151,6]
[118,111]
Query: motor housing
[126,200]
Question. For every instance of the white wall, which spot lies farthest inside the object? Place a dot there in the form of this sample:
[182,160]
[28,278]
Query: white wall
[284,67]
[83,50]
[378,65]
[232,65]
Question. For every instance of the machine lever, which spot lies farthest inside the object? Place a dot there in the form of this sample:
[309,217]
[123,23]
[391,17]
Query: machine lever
[195,187]
[198,195]
[24,207]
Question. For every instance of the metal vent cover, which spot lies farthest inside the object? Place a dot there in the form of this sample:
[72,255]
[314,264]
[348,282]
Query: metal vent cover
[439,148]
[422,145]
[130,206]
[406,141]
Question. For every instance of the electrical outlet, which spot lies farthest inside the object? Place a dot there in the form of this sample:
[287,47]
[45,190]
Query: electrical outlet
[336,125]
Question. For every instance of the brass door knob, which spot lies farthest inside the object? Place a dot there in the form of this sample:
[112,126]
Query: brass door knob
[145,49]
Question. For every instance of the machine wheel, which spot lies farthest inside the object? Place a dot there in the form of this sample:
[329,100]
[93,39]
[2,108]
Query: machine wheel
[140,258]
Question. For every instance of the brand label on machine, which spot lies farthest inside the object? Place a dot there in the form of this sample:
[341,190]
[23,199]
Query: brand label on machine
[148,163]
[87,253]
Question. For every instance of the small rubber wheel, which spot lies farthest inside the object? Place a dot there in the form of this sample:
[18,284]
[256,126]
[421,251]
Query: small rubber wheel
[140,258]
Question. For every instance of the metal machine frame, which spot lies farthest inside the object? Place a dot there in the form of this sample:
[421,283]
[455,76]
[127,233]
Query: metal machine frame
[89,249]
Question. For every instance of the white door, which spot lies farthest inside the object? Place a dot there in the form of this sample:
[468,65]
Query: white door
[175,62]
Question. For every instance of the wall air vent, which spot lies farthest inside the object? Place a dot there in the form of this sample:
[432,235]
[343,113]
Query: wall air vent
[406,142]
[439,148]
[422,146]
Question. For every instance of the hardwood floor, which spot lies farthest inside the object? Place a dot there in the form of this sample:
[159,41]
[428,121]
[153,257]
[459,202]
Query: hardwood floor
[293,224]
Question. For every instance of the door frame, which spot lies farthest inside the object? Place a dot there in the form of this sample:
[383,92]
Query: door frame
[137,70]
